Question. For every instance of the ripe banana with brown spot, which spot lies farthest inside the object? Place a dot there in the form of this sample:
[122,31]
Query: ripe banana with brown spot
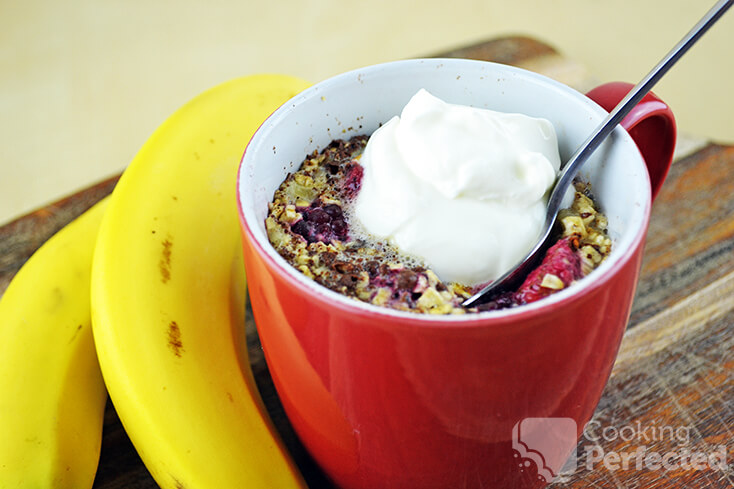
[52,397]
[168,299]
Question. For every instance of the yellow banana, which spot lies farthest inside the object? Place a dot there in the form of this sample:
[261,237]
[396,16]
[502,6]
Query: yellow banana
[167,301]
[52,397]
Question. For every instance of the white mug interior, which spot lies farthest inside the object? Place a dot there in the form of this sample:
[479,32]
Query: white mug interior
[357,102]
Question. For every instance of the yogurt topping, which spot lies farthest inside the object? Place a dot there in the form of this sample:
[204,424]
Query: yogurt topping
[461,188]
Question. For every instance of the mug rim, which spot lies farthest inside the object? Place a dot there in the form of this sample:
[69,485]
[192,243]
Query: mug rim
[601,275]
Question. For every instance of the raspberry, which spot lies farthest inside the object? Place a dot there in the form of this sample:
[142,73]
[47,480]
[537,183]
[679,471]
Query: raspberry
[500,301]
[316,215]
[324,224]
[353,180]
[340,229]
[304,229]
[323,231]
[333,210]
[560,260]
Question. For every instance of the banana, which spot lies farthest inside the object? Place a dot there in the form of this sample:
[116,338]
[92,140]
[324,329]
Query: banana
[52,396]
[168,299]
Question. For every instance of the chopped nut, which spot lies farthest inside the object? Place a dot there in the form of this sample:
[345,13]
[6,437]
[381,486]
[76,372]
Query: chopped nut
[320,247]
[551,281]
[306,271]
[602,240]
[460,290]
[432,278]
[381,297]
[573,225]
[587,217]
[587,264]
[302,194]
[275,210]
[431,301]
[276,234]
[430,298]
[303,180]
[591,253]
[364,279]
[289,214]
[583,205]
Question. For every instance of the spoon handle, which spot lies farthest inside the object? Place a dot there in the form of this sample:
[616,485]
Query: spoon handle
[633,98]
[568,172]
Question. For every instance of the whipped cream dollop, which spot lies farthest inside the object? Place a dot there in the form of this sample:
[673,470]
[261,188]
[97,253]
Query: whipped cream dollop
[461,188]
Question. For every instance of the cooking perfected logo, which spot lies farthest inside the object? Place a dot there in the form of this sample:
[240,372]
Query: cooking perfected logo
[549,443]
[650,447]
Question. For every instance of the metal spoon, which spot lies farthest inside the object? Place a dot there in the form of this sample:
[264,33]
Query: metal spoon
[514,276]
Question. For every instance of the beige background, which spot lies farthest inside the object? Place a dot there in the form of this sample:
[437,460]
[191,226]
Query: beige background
[83,83]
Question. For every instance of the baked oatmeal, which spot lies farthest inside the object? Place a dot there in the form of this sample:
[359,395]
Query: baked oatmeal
[310,224]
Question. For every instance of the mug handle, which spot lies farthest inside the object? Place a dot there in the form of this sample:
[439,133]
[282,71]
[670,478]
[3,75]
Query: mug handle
[650,123]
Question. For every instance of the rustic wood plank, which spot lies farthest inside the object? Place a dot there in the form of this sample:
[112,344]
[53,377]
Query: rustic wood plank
[512,50]
[691,237]
[664,330]
[21,237]
[672,387]
[120,466]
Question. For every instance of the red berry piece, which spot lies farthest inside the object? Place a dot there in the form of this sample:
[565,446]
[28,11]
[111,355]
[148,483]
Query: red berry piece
[323,231]
[317,215]
[333,210]
[560,260]
[353,180]
[500,301]
[340,229]
[303,228]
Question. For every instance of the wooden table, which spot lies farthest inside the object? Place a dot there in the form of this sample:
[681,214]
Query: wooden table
[673,380]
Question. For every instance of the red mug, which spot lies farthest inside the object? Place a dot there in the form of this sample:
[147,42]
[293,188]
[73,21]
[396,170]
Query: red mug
[389,399]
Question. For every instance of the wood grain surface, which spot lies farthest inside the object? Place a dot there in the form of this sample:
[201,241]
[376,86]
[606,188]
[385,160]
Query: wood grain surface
[672,387]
